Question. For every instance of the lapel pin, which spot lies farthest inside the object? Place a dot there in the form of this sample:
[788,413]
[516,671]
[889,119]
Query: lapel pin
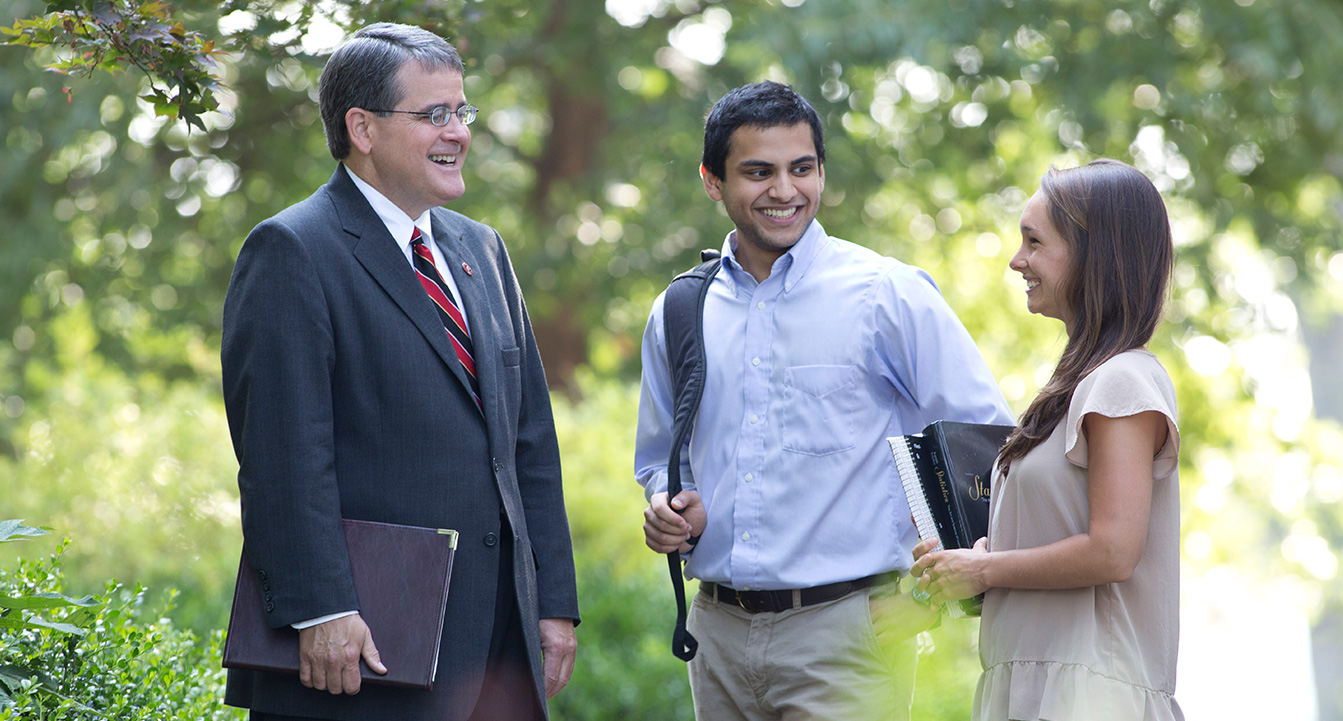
[466,267]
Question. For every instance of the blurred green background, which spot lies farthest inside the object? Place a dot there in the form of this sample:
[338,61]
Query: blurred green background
[118,231]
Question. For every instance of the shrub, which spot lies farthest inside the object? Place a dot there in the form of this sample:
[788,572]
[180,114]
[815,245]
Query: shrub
[625,668]
[97,657]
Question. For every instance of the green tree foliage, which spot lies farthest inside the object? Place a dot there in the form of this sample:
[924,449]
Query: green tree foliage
[592,129]
[114,36]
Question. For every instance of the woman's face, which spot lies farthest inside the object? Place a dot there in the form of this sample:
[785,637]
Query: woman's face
[1044,260]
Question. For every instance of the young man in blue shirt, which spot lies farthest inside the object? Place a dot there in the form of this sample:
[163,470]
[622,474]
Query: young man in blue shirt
[817,350]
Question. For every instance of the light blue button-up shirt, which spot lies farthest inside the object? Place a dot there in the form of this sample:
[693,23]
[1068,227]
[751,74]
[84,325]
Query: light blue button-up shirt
[808,373]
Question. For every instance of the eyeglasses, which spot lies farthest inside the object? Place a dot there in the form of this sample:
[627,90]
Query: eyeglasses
[440,116]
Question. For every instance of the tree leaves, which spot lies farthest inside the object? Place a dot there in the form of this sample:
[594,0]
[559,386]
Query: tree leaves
[46,601]
[14,530]
[92,35]
[25,603]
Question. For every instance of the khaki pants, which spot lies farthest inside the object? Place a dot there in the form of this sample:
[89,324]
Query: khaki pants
[822,662]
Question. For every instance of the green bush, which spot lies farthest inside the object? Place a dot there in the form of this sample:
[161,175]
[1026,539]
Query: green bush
[138,468]
[625,668]
[146,469]
[97,657]
[948,670]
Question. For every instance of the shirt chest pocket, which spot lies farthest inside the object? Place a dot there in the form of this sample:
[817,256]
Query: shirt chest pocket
[819,407]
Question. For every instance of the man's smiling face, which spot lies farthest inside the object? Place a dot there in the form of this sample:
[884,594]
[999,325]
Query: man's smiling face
[418,165]
[772,188]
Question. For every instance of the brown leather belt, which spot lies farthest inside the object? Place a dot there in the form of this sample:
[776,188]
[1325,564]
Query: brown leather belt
[788,599]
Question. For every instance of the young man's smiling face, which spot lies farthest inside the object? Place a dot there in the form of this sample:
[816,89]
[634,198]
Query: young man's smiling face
[771,190]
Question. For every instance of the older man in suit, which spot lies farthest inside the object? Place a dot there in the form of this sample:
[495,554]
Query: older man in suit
[379,364]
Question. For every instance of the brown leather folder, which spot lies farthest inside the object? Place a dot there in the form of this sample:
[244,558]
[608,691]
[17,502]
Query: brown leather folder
[401,576]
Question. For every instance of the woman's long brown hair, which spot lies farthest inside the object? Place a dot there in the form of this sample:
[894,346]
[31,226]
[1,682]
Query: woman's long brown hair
[1114,221]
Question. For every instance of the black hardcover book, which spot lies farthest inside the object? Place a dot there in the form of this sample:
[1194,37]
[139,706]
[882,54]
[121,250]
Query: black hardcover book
[945,473]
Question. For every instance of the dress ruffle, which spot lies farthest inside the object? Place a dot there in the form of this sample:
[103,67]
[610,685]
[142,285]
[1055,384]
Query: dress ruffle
[1051,691]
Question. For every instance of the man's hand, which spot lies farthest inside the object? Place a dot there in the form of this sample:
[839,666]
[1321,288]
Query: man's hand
[329,653]
[900,617]
[559,646]
[669,527]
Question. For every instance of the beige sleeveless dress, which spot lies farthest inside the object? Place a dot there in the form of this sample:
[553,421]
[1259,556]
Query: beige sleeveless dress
[1103,653]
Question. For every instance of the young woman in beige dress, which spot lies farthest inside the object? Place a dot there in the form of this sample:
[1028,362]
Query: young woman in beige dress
[1080,570]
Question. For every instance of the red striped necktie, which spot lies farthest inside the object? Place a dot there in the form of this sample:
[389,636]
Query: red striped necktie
[448,311]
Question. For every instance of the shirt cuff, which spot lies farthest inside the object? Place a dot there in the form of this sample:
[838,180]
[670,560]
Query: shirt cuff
[321,619]
[658,483]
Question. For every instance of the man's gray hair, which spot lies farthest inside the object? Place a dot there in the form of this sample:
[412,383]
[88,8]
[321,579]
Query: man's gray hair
[362,73]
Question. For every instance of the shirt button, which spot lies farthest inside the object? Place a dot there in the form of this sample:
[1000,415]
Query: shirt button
[745,536]
[490,540]
[750,477]
[755,419]
[755,361]
[760,305]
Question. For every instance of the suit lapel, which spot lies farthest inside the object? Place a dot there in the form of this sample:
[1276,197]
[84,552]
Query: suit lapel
[457,249]
[380,255]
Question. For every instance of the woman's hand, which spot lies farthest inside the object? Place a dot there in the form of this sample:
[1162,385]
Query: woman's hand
[920,551]
[946,576]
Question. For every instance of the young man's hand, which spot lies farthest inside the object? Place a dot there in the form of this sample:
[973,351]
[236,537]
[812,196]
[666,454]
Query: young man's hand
[900,617]
[670,526]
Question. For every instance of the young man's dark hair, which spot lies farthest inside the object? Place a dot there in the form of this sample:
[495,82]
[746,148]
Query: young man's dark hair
[763,105]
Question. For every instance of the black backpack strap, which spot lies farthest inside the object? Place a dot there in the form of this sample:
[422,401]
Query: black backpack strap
[683,328]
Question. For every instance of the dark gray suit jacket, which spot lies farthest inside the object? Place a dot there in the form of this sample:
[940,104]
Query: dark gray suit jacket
[345,399]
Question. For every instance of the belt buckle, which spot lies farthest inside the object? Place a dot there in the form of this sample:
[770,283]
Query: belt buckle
[721,595]
[761,602]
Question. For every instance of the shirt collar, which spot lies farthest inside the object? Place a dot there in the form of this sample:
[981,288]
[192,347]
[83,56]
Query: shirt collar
[791,266]
[400,225]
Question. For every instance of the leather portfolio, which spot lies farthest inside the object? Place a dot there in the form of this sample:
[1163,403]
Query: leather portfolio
[401,576]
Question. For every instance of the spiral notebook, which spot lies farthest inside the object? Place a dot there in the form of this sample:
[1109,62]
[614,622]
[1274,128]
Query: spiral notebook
[945,473]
